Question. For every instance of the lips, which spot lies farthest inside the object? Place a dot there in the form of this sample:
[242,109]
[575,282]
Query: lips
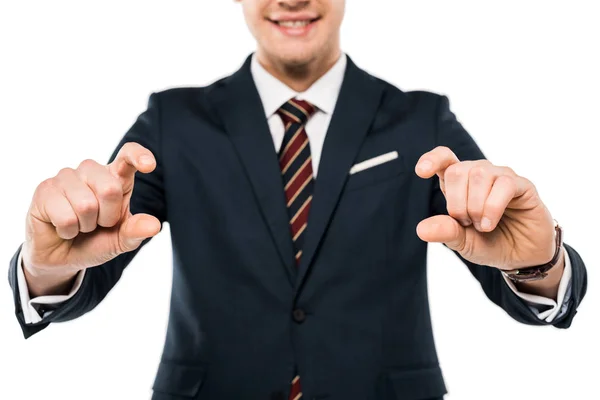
[293,20]
[295,25]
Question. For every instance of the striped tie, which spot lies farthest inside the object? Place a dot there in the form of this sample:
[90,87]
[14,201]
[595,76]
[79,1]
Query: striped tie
[295,162]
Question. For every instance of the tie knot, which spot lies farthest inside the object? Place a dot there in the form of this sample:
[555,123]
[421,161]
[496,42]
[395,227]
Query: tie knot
[296,111]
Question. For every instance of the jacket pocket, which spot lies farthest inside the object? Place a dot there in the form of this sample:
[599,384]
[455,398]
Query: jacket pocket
[418,384]
[178,379]
[375,174]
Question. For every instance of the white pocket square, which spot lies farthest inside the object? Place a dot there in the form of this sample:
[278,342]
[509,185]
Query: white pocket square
[372,162]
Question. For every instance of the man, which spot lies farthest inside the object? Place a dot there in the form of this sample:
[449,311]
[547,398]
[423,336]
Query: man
[301,193]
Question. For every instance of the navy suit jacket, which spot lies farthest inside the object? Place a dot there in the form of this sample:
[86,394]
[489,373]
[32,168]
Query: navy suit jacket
[353,318]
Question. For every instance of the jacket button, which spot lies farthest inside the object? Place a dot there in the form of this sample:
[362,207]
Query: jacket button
[299,315]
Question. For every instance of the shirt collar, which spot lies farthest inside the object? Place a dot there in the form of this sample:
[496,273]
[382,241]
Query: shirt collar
[323,93]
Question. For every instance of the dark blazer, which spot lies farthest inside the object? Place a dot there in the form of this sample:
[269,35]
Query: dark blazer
[354,317]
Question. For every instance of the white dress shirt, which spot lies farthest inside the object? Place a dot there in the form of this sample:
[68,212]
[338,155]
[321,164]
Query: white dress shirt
[323,94]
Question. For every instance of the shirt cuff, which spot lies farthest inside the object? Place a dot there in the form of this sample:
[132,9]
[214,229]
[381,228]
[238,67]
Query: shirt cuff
[545,308]
[30,306]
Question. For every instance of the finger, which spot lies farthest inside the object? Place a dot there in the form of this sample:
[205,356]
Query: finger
[54,208]
[504,189]
[132,157]
[107,189]
[443,229]
[481,179]
[435,161]
[136,229]
[80,196]
[456,181]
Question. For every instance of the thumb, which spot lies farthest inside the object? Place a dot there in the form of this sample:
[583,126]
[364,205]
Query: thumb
[137,228]
[443,229]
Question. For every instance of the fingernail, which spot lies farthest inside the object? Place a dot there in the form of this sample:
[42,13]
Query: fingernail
[486,223]
[146,159]
[425,165]
[466,222]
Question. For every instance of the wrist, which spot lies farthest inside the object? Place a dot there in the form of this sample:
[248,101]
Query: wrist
[544,279]
[547,287]
[538,272]
[44,282]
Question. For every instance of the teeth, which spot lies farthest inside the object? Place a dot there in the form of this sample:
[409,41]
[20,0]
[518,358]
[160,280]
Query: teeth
[293,24]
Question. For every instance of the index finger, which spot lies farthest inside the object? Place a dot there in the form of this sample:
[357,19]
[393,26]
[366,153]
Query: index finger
[132,157]
[435,162]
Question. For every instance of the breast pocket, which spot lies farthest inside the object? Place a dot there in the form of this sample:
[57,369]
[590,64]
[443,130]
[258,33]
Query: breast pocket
[376,169]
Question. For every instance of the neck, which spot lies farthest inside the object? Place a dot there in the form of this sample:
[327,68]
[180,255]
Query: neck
[299,77]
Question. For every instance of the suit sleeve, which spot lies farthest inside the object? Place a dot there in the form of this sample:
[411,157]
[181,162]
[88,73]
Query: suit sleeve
[451,133]
[148,197]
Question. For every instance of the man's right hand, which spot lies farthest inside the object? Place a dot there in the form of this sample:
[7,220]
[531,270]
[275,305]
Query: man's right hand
[80,218]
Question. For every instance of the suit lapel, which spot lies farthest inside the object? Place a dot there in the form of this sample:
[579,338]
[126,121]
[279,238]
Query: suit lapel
[238,103]
[356,107]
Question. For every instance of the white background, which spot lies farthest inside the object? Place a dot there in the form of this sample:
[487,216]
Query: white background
[521,75]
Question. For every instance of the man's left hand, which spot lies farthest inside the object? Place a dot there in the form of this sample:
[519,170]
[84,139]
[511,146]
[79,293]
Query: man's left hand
[496,217]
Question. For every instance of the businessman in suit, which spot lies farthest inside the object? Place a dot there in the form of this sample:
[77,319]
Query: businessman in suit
[301,193]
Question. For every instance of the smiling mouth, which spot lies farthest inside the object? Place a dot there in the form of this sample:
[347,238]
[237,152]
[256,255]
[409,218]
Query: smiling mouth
[295,24]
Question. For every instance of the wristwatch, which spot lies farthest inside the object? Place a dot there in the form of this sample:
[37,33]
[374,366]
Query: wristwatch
[539,271]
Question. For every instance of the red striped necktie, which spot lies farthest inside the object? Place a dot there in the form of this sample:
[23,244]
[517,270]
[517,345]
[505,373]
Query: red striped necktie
[295,162]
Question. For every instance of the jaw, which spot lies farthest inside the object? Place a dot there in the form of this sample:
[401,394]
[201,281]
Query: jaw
[299,39]
[295,40]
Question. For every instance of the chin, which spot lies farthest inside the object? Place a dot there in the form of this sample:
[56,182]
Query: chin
[288,55]
[296,60]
